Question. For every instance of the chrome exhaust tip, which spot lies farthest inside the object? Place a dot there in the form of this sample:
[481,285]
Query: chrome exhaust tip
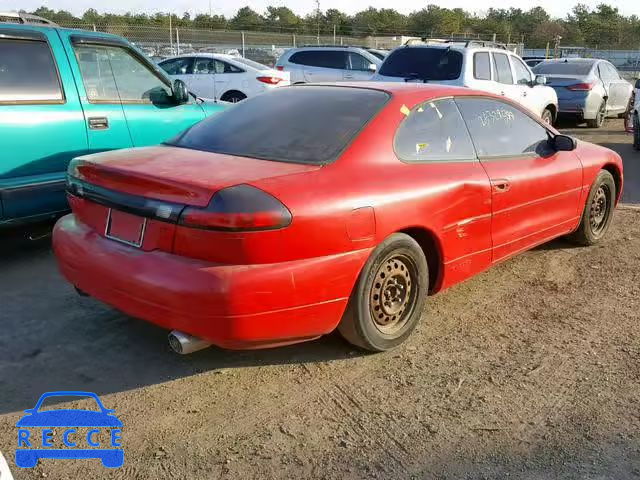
[183,343]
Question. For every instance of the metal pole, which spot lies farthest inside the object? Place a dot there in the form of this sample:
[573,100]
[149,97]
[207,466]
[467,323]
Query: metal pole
[294,40]
[334,34]
[178,40]
[170,34]
[242,33]
[94,28]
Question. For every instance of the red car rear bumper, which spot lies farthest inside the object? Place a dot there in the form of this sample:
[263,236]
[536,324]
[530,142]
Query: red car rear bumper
[232,306]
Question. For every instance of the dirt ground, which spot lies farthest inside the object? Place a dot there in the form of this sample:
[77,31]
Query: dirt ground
[529,371]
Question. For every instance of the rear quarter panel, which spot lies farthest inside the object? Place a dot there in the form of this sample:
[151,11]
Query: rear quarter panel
[595,158]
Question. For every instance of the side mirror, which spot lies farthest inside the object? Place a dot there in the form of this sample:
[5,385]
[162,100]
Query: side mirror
[372,67]
[564,143]
[180,92]
[540,80]
[637,83]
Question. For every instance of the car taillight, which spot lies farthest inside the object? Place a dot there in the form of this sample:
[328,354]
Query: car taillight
[238,208]
[581,87]
[280,68]
[270,80]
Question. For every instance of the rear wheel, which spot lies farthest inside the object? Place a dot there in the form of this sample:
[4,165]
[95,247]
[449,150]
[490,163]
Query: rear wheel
[636,131]
[388,299]
[598,210]
[599,120]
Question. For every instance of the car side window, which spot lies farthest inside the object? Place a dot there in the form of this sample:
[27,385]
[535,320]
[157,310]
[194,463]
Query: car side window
[503,69]
[28,72]
[320,58]
[178,66]
[433,131]
[358,62]
[203,66]
[481,66]
[113,74]
[224,67]
[499,129]
[520,71]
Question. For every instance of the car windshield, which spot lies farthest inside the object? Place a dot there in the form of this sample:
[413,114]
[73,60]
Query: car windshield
[423,63]
[563,68]
[306,124]
[251,63]
[79,403]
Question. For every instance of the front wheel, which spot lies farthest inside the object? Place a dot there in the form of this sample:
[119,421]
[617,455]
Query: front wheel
[547,116]
[598,210]
[388,299]
[636,131]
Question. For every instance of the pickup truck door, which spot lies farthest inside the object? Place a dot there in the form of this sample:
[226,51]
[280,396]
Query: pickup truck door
[127,99]
[104,117]
[41,122]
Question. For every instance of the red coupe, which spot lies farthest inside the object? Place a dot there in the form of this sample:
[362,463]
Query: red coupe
[321,206]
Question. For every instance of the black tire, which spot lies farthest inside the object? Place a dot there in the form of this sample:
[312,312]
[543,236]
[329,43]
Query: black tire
[598,211]
[393,286]
[233,97]
[547,116]
[600,116]
[636,131]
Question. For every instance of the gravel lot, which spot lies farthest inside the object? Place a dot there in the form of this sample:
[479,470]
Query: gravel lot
[530,371]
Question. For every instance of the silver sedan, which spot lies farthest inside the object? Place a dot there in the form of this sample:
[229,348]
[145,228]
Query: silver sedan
[588,89]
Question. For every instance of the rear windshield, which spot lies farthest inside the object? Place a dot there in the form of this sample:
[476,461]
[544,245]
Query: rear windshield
[563,68]
[304,124]
[423,63]
[251,63]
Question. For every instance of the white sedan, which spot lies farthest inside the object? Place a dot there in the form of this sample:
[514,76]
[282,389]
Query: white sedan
[223,77]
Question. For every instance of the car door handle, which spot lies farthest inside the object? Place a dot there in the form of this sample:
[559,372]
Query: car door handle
[501,185]
[348,76]
[98,123]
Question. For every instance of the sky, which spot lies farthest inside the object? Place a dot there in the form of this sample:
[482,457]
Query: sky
[557,8]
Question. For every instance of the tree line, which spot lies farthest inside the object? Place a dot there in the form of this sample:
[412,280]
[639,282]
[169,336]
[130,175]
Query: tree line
[601,27]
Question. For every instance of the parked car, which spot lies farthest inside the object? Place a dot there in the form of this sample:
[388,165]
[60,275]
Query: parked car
[632,120]
[533,61]
[224,77]
[478,65]
[378,52]
[588,89]
[65,93]
[350,208]
[328,64]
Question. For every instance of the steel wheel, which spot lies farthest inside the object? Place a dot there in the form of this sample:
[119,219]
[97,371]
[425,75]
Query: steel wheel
[392,295]
[599,209]
[389,297]
[547,117]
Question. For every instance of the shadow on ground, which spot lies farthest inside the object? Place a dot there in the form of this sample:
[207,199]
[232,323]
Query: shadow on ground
[53,339]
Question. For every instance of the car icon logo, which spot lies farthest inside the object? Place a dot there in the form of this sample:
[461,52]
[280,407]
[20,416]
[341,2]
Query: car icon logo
[81,428]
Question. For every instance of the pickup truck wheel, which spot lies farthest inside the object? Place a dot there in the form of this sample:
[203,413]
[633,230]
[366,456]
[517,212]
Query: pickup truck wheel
[547,116]
[387,301]
[598,211]
[636,131]
[599,120]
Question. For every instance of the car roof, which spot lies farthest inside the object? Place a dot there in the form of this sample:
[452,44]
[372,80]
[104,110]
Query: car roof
[459,47]
[71,31]
[404,89]
[573,60]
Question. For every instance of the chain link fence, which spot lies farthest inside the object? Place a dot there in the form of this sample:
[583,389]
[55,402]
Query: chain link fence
[263,47]
[266,47]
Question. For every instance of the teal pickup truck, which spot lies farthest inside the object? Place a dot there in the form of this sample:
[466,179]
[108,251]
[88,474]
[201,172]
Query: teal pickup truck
[66,93]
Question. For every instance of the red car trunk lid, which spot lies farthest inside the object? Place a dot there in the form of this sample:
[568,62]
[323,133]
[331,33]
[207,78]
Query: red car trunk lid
[176,175]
